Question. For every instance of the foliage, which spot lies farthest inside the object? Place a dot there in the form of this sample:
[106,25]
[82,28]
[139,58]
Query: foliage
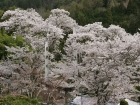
[123,102]
[86,11]
[18,100]
[6,40]
[138,91]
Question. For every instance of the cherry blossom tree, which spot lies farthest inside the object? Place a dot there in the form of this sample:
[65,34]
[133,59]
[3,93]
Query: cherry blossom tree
[107,60]
[27,63]
[60,18]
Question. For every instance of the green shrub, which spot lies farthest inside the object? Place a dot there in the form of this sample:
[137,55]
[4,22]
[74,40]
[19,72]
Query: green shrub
[18,100]
[123,102]
[8,40]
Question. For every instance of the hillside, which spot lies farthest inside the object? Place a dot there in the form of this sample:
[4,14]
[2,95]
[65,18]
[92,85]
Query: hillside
[125,13]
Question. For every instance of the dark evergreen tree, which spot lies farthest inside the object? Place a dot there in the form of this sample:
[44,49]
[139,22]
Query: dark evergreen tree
[108,18]
[105,3]
[132,7]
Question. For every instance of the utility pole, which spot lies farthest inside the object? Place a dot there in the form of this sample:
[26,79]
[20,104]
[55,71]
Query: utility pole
[46,62]
[47,57]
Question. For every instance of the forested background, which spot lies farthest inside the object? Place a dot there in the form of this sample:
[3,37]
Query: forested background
[125,13]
